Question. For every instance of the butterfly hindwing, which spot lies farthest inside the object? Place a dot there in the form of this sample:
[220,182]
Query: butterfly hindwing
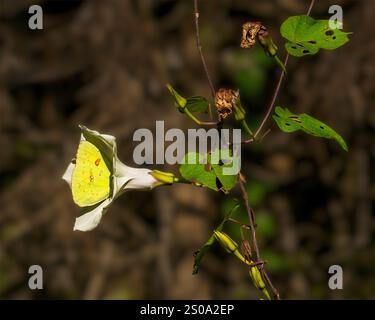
[91,176]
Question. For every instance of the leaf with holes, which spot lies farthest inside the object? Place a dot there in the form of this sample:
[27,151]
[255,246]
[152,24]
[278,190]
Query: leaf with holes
[221,160]
[307,35]
[289,122]
[209,170]
[195,168]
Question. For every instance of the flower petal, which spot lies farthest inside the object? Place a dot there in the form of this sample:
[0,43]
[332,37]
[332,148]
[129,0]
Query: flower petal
[132,178]
[123,178]
[91,219]
[104,142]
[67,176]
[141,180]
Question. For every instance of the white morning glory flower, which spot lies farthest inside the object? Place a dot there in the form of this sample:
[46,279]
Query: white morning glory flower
[120,178]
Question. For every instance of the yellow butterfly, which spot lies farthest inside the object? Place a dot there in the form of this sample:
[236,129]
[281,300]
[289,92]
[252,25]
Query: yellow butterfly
[91,176]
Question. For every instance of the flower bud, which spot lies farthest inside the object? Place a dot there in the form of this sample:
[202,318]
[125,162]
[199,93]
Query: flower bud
[163,177]
[258,281]
[267,43]
[179,100]
[226,242]
[229,245]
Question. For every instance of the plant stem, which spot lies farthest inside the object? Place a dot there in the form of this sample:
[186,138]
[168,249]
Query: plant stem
[245,197]
[199,122]
[246,127]
[252,226]
[273,100]
[250,213]
[199,46]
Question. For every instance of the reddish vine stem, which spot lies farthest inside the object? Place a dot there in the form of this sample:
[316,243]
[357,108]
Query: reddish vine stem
[249,210]
[273,100]
[275,292]
[199,46]
[278,86]
[251,215]
[245,197]
[310,7]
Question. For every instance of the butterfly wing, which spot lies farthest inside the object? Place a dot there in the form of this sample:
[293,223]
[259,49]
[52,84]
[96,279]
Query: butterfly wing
[91,176]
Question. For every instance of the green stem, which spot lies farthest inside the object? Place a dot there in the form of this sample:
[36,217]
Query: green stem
[280,63]
[197,121]
[185,181]
[246,128]
[192,117]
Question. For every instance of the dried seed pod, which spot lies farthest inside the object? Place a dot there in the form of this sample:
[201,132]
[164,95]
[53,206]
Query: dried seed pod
[249,33]
[225,102]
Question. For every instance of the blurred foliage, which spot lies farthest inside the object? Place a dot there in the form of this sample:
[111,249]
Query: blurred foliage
[251,78]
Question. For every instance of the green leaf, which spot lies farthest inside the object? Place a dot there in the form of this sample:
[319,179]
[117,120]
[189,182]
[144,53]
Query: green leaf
[223,161]
[307,35]
[289,122]
[208,171]
[197,104]
[194,170]
[300,50]
[202,251]
[193,104]
[283,120]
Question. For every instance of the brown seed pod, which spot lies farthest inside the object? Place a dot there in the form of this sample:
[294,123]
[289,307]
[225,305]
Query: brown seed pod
[225,102]
[249,33]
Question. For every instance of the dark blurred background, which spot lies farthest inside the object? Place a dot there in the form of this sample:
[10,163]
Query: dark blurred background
[105,64]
